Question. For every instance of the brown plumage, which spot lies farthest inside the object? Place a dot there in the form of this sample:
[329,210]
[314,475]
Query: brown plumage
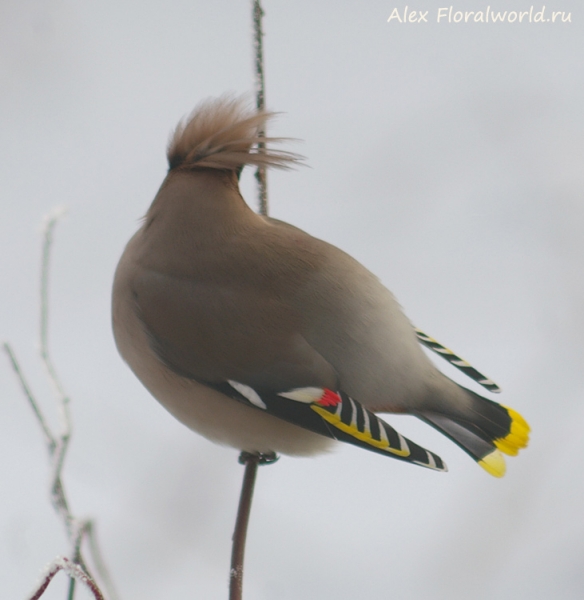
[209,292]
[221,134]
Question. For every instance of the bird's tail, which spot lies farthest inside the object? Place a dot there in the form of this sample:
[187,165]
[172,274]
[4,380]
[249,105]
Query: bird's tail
[225,133]
[485,430]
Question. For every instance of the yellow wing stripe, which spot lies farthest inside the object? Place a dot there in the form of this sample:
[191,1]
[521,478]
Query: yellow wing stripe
[353,431]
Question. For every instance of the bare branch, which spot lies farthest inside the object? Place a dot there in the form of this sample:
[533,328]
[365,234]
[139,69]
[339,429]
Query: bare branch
[99,563]
[49,225]
[75,572]
[251,460]
[57,445]
[240,533]
[49,439]
[260,174]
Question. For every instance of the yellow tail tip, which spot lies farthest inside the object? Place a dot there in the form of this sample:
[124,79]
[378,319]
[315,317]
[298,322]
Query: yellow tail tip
[518,420]
[494,464]
[509,449]
[518,436]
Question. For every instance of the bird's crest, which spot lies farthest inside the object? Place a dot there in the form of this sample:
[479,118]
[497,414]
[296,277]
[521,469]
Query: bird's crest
[225,133]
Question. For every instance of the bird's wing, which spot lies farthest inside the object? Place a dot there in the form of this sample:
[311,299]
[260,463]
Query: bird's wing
[337,416]
[213,333]
[247,346]
[355,323]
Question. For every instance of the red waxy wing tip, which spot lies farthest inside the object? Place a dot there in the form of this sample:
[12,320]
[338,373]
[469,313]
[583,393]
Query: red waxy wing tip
[329,398]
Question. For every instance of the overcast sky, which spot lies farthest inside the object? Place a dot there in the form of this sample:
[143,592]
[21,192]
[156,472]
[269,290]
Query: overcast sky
[446,157]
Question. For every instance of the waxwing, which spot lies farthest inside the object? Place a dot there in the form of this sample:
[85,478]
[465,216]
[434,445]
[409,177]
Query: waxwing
[261,337]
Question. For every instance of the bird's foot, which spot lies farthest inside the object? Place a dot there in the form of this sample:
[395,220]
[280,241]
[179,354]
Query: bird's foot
[262,458]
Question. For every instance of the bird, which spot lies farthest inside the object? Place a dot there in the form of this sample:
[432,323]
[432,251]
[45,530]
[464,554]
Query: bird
[261,337]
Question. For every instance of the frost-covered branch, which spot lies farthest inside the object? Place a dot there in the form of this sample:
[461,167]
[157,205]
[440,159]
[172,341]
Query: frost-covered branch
[75,572]
[57,444]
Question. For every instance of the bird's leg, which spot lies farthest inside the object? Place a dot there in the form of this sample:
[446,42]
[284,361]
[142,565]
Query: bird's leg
[251,462]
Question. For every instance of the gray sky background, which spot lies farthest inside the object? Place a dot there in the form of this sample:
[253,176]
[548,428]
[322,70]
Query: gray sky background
[447,158]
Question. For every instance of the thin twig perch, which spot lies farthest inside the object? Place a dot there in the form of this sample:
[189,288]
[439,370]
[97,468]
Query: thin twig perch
[251,461]
[240,533]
